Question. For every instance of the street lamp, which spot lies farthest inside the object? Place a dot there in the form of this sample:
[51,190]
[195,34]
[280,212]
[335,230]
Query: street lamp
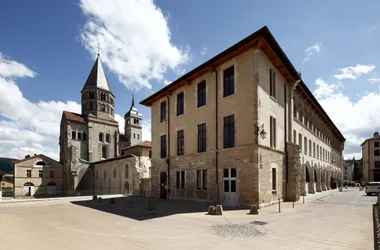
[260,131]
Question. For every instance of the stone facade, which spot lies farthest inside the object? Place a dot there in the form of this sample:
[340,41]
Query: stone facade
[371,158]
[38,176]
[254,160]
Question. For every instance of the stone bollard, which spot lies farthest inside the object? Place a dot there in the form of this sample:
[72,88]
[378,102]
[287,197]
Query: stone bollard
[211,210]
[94,198]
[253,209]
[218,210]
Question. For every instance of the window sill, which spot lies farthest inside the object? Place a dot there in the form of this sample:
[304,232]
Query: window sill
[273,99]
[204,105]
[180,115]
[274,191]
[223,97]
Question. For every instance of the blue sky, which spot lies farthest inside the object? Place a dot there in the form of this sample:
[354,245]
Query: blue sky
[54,41]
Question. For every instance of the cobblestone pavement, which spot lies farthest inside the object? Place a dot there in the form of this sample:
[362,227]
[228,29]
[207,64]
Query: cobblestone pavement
[330,223]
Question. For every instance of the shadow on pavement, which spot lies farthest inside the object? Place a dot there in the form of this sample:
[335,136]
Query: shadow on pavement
[141,208]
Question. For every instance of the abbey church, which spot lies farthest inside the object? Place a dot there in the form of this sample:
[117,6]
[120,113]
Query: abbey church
[93,152]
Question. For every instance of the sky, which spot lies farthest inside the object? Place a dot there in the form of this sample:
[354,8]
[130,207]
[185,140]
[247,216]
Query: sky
[47,49]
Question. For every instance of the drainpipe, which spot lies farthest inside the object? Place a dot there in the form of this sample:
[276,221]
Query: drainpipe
[216,139]
[369,161]
[286,150]
[168,153]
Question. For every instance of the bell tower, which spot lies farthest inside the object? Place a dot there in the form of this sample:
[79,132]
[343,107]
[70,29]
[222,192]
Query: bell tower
[133,125]
[97,96]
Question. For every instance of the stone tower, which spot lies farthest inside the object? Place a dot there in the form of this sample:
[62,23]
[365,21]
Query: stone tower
[97,96]
[133,125]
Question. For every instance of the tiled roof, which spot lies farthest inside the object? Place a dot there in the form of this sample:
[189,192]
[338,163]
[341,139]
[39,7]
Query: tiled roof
[74,117]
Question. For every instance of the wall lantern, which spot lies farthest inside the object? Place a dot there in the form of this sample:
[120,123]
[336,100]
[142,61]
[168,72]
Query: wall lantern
[261,131]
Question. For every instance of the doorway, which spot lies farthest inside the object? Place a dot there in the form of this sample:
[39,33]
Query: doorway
[229,187]
[28,189]
[163,181]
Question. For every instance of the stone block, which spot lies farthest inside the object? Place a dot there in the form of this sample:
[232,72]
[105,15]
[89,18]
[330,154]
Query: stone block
[211,210]
[218,210]
[254,209]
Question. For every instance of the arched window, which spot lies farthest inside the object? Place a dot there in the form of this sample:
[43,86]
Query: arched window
[108,138]
[73,134]
[104,153]
[40,163]
[79,135]
[138,136]
[126,173]
[103,107]
[101,137]
[114,173]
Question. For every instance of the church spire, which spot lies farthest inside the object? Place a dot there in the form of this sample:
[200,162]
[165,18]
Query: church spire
[97,78]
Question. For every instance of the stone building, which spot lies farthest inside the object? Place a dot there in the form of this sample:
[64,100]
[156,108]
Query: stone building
[37,176]
[92,140]
[349,170]
[371,158]
[242,128]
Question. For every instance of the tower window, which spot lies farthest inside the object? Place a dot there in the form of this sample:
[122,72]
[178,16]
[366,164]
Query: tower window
[108,138]
[138,136]
[136,121]
[104,153]
[101,137]
[79,136]
[73,135]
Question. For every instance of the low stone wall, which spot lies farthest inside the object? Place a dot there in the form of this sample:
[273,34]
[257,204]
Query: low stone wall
[376,226]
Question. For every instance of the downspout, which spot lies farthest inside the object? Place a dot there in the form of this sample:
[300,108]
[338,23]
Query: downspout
[369,161]
[216,139]
[285,146]
[168,154]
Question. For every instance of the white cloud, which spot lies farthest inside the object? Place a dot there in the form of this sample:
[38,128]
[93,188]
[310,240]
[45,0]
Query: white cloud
[374,80]
[10,68]
[135,40]
[315,48]
[355,120]
[353,72]
[33,127]
[204,50]
[167,82]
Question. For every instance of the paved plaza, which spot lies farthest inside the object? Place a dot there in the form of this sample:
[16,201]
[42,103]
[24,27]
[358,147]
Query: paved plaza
[330,220]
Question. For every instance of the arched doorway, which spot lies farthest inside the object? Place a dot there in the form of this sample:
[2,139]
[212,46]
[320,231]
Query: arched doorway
[51,188]
[28,189]
[126,187]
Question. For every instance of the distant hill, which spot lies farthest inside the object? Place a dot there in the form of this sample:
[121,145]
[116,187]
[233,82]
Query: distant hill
[6,165]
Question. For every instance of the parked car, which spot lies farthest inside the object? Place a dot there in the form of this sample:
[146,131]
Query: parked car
[372,188]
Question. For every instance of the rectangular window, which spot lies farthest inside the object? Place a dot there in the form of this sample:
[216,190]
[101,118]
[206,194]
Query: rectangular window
[377,164]
[51,174]
[272,83]
[310,147]
[28,173]
[228,81]
[199,179]
[180,142]
[73,134]
[305,145]
[294,110]
[204,179]
[180,104]
[163,111]
[317,152]
[300,141]
[40,173]
[201,94]
[272,132]
[274,179]
[294,136]
[183,179]
[202,139]
[163,146]
[376,144]
[178,179]
[229,131]
[377,152]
